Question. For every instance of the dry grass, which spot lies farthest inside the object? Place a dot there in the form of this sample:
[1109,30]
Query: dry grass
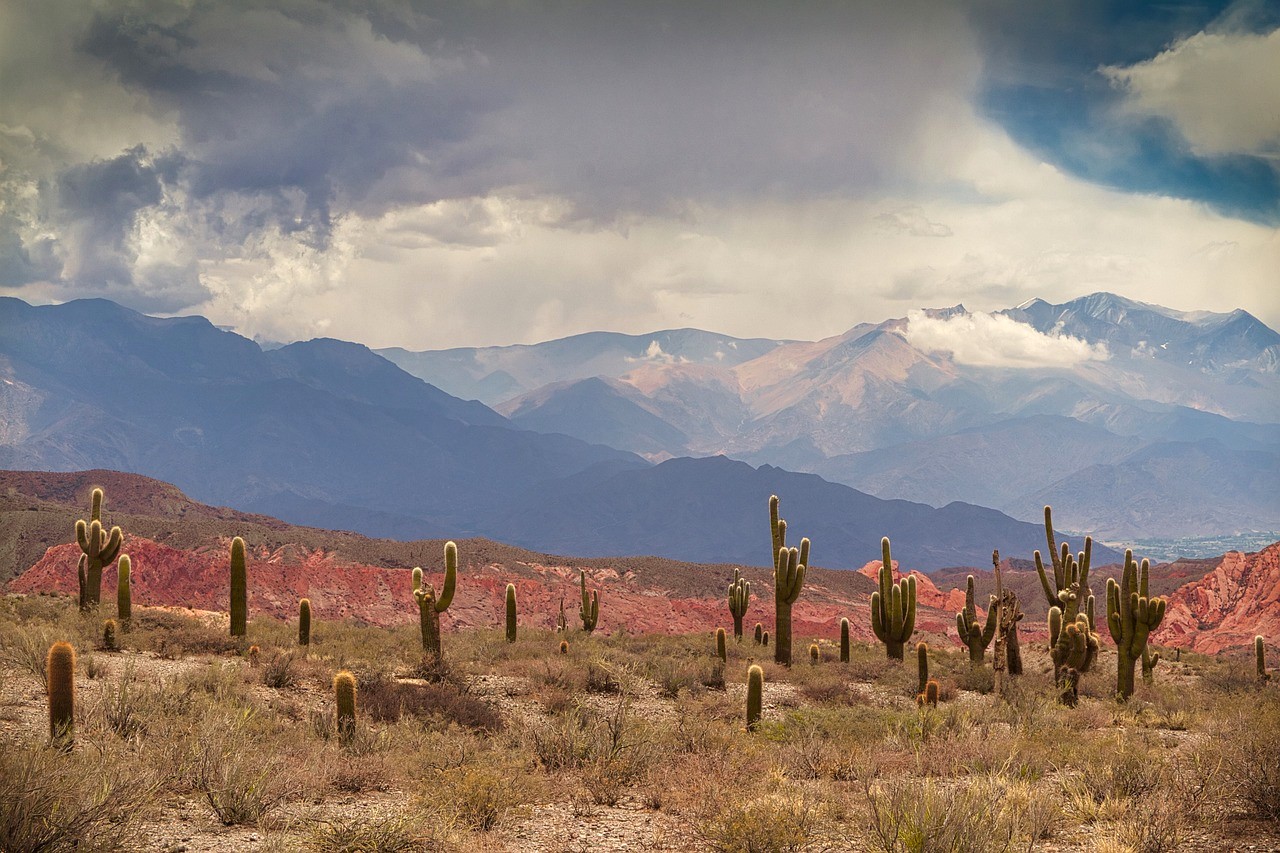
[652,722]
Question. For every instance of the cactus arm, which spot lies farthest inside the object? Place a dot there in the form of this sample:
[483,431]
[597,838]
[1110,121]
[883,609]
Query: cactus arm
[909,620]
[877,617]
[804,554]
[111,550]
[450,577]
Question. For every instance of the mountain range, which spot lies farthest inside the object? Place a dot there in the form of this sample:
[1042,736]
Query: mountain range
[330,434]
[1161,423]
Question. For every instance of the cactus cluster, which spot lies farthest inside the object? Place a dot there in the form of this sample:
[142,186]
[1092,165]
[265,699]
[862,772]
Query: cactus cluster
[431,604]
[99,549]
[1131,617]
[927,689]
[1073,648]
[893,607]
[975,637]
[589,610]
[789,567]
[739,599]
[1073,643]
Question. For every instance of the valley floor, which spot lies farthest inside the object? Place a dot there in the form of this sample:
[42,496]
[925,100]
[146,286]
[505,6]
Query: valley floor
[186,740]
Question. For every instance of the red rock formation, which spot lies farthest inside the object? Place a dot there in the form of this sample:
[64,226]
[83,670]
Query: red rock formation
[1227,607]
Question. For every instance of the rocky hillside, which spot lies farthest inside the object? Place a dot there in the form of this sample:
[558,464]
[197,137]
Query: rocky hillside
[180,559]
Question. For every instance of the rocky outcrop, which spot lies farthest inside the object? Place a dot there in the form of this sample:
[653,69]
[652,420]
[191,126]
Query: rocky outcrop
[1237,600]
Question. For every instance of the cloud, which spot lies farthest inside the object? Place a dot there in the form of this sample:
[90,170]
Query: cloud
[911,220]
[1217,88]
[994,340]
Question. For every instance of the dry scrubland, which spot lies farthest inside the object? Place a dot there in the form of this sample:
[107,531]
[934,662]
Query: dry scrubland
[187,740]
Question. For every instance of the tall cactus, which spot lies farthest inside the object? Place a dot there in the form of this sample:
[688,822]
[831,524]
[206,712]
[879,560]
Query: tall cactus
[589,610]
[431,605]
[844,640]
[1131,616]
[239,589]
[789,567]
[344,694]
[99,548]
[755,696]
[922,666]
[124,591]
[739,598]
[304,622]
[1070,573]
[975,638]
[893,607]
[61,667]
[511,613]
[1260,658]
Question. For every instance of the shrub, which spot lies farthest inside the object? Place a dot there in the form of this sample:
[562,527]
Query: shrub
[280,672]
[774,823]
[384,699]
[396,834]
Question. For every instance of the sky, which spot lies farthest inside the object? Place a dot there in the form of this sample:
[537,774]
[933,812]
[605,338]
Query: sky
[431,175]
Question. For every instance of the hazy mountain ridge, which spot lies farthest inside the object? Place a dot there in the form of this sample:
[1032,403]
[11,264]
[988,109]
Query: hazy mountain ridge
[868,409]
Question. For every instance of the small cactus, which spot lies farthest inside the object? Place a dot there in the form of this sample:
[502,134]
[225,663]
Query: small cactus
[722,645]
[928,696]
[124,591]
[789,567]
[239,589]
[844,641]
[755,696]
[1260,655]
[922,666]
[99,549]
[815,654]
[974,636]
[564,647]
[764,639]
[304,622]
[511,613]
[344,693]
[110,642]
[255,656]
[893,607]
[759,633]
[431,604]
[61,666]
[589,611]
[739,598]
[1149,661]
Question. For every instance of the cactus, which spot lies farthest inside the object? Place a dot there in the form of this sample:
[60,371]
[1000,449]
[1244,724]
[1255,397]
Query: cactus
[344,694]
[99,548]
[431,605]
[759,633]
[1131,617]
[928,695]
[564,647]
[109,641]
[844,640]
[1073,650]
[562,624]
[789,567]
[722,645]
[739,598]
[1260,657]
[61,667]
[922,666]
[589,611]
[255,656]
[124,591]
[511,613]
[304,622]
[755,696]
[1149,661]
[893,607]
[976,638]
[815,654]
[1070,587]
[764,639]
[1013,650]
[239,589]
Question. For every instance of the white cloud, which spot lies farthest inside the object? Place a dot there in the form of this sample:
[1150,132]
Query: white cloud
[1221,90]
[994,340]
